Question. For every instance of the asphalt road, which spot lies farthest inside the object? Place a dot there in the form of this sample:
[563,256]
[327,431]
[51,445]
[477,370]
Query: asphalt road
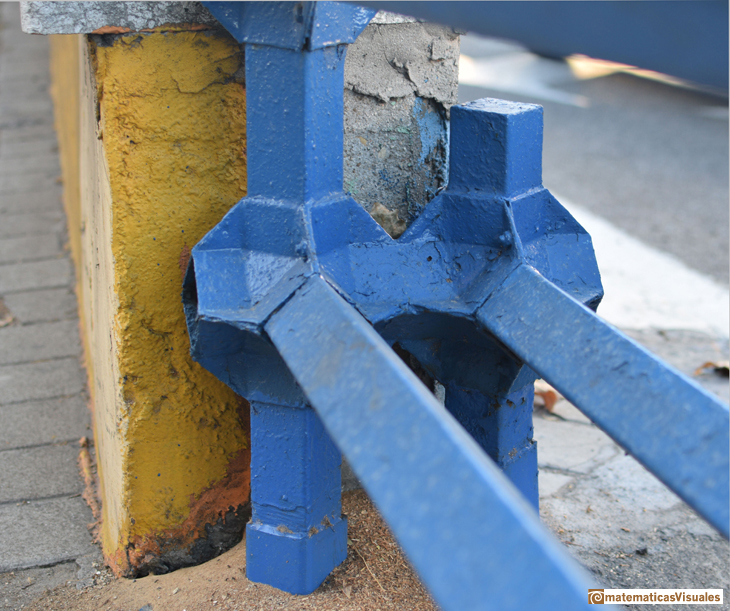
[649,157]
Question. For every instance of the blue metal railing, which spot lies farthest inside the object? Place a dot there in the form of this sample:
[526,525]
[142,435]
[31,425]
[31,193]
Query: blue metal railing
[294,298]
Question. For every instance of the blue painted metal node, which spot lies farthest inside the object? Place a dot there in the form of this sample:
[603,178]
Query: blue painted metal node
[294,298]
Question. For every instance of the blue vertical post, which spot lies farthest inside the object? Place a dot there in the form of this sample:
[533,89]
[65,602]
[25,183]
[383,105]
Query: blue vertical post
[294,112]
[501,423]
[297,534]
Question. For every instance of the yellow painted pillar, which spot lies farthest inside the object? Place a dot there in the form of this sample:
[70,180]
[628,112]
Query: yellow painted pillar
[152,137]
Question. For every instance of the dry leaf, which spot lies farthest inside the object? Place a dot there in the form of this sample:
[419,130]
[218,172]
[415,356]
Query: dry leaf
[6,316]
[720,367]
[545,395]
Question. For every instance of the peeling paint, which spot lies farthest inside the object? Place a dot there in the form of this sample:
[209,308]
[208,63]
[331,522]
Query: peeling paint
[400,81]
[393,61]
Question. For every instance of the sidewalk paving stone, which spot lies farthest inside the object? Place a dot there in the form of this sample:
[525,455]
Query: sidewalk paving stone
[43,533]
[52,273]
[41,472]
[29,150]
[26,131]
[38,422]
[40,200]
[28,182]
[29,248]
[35,381]
[46,163]
[26,343]
[32,223]
[571,446]
[42,306]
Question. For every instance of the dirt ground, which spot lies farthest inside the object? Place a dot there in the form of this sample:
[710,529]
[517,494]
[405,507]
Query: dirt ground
[375,576]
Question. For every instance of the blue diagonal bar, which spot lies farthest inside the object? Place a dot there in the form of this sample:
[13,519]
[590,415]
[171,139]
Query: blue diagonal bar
[667,422]
[471,536]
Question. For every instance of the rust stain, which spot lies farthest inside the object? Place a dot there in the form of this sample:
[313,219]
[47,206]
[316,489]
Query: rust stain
[111,29]
[87,466]
[183,260]
[231,492]
[167,27]
[180,27]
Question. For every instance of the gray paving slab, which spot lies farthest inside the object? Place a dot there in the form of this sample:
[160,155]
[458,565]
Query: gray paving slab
[30,248]
[32,223]
[20,588]
[43,341]
[48,274]
[43,533]
[37,103]
[27,131]
[28,182]
[42,403]
[42,306]
[41,472]
[23,149]
[39,200]
[47,163]
[550,482]
[34,381]
[40,422]
[22,68]
[572,446]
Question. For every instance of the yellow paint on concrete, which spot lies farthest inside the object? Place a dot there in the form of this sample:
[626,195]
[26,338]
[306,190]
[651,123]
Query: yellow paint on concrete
[65,88]
[160,167]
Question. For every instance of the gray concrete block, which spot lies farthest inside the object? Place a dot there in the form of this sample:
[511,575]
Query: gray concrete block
[35,381]
[21,66]
[26,131]
[549,483]
[42,306]
[37,422]
[85,17]
[571,446]
[33,201]
[21,149]
[28,182]
[22,91]
[30,248]
[41,472]
[47,163]
[20,588]
[52,273]
[32,223]
[50,340]
[43,533]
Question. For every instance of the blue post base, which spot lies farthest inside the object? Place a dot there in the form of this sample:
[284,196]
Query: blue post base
[296,536]
[502,425]
[294,562]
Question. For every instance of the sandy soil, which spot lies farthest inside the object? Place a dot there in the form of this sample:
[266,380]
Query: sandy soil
[375,576]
